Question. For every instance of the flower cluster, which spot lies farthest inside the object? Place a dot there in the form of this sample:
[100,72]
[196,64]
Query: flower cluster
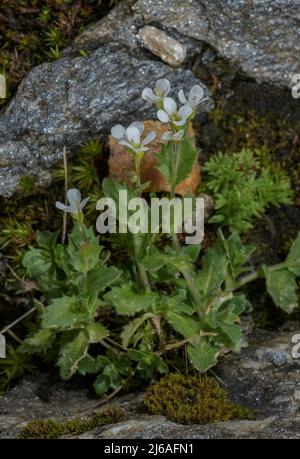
[131,137]
[168,111]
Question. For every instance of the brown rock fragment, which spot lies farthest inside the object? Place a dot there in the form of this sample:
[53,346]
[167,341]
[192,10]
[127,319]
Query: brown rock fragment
[121,164]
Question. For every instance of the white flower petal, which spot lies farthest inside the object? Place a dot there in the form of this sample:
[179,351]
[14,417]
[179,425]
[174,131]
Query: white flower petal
[163,116]
[83,203]
[170,106]
[118,131]
[64,208]
[74,196]
[185,111]
[181,97]
[180,123]
[133,135]
[167,136]
[143,149]
[149,138]
[162,87]
[139,125]
[196,95]
[126,144]
[149,96]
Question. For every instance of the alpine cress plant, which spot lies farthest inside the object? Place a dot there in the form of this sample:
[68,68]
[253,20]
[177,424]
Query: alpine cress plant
[135,318]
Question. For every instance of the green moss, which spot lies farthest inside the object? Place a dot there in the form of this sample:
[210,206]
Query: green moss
[27,185]
[35,31]
[50,429]
[192,400]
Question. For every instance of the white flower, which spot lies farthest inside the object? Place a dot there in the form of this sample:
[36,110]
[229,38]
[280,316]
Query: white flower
[171,114]
[131,137]
[161,90]
[74,198]
[169,135]
[196,96]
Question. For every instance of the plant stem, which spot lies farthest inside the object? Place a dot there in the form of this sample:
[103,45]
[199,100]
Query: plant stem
[64,233]
[138,171]
[143,276]
[175,162]
[187,273]
[193,289]
[141,269]
[181,343]
[8,327]
[256,275]
[246,279]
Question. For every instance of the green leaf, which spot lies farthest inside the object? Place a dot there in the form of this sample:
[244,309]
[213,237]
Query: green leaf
[63,314]
[238,254]
[46,240]
[212,275]
[148,363]
[102,385]
[111,376]
[293,259]
[89,365]
[233,308]
[155,261]
[192,251]
[39,342]
[176,303]
[165,161]
[112,188]
[203,356]
[97,280]
[188,157]
[71,354]
[282,287]
[96,332]
[130,329]
[233,334]
[184,325]
[128,302]
[37,262]
[85,257]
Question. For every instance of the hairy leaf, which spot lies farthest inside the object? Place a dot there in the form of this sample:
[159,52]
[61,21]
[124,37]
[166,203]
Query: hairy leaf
[71,354]
[293,258]
[39,342]
[128,302]
[96,332]
[282,287]
[184,325]
[37,262]
[130,329]
[203,356]
[63,314]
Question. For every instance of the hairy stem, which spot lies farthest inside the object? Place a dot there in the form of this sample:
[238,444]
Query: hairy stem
[175,162]
[187,273]
[256,275]
[143,276]
[181,343]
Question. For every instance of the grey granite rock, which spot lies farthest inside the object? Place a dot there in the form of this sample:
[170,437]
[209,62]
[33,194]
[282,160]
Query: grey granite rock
[270,386]
[70,100]
[74,98]
[262,36]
